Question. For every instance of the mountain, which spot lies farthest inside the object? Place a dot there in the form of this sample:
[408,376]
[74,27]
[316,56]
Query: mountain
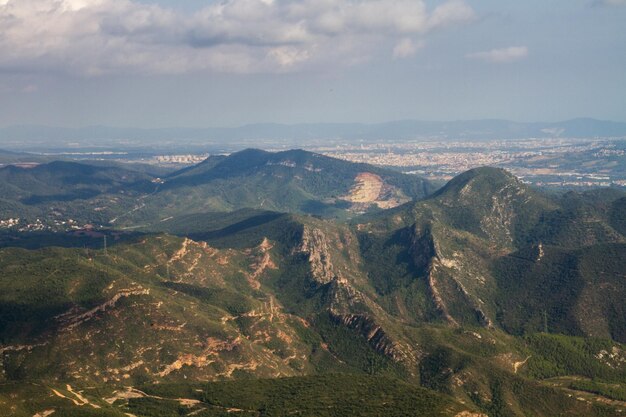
[291,181]
[60,180]
[485,298]
[61,193]
[292,135]
[497,253]
[280,297]
[130,195]
[10,157]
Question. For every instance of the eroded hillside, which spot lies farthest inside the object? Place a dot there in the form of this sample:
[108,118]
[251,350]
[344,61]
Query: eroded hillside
[474,293]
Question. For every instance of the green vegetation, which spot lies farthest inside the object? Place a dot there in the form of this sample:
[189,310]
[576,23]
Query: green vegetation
[329,395]
[487,296]
[612,391]
[293,181]
[558,355]
[568,291]
[130,196]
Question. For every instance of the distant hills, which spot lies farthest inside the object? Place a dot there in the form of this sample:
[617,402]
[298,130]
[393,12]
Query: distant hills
[118,195]
[293,135]
[290,181]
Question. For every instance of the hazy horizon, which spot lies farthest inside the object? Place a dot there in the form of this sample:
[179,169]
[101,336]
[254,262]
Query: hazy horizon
[306,123]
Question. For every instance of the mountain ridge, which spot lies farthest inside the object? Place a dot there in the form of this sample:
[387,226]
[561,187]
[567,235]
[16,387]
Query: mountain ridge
[289,181]
[492,297]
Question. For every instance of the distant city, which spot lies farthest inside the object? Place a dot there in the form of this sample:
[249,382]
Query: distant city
[549,162]
[544,162]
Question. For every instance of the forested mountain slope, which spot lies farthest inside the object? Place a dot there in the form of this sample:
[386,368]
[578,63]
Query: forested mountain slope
[487,297]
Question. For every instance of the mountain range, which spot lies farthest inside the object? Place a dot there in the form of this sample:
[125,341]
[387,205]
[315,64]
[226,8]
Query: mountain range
[289,283]
[289,181]
[291,135]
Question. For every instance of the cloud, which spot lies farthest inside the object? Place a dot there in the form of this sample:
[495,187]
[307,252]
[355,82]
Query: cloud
[406,48]
[501,56]
[95,37]
[451,12]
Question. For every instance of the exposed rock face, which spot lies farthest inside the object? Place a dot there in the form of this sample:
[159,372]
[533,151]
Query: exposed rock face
[347,305]
[262,262]
[367,188]
[370,189]
[341,295]
[314,244]
[470,414]
[429,257]
[71,319]
[19,348]
[437,297]
[373,332]
[213,347]
[424,252]
[498,224]
[376,336]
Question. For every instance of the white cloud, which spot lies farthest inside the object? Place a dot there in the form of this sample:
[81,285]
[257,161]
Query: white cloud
[93,37]
[501,56]
[451,12]
[406,48]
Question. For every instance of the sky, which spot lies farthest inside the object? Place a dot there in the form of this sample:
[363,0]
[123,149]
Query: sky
[204,63]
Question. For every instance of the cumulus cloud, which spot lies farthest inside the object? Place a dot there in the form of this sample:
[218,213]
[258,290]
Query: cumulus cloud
[93,37]
[501,56]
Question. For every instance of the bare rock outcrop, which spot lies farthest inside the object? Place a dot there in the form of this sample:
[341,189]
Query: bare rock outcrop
[315,245]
